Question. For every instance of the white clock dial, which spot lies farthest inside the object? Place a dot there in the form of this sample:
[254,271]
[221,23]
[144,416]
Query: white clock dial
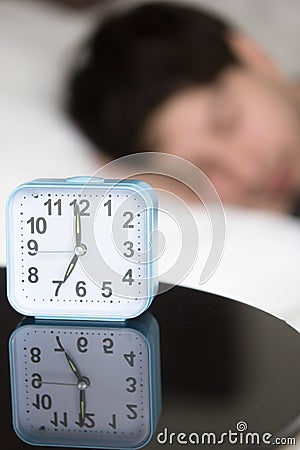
[80,252]
[82,385]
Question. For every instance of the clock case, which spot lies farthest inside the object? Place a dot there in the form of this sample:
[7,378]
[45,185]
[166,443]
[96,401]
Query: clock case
[145,324]
[138,186]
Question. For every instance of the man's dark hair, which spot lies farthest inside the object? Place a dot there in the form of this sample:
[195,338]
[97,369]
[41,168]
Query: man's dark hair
[136,60]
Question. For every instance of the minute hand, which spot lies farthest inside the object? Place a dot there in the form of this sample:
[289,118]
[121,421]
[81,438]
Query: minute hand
[77,225]
[82,405]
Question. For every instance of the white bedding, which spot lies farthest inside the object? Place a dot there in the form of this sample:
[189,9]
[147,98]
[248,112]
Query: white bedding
[261,261]
[260,264]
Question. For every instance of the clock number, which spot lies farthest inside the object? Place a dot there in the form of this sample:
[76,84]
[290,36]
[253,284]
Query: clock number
[82,344]
[88,417]
[49,204]
[59,283]
[91,422]
[128,277]
[80,289]
[133,414]
[113,422]
[85,206]
[44,402]
[35,354]
[132,384]
[106,287]
[108,204]
[130,358]
[130,251]
[36,381]
[55,421]
[33,275]
[60,347]
[33,247]
[39,225]
[127,223]
[108,345]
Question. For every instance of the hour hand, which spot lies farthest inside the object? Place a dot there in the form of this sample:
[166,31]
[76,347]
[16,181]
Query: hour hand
[74,368]
[67,274]
[70,268]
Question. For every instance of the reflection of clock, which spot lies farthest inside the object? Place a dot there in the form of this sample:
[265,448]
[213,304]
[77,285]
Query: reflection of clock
[81,248]
[86,384]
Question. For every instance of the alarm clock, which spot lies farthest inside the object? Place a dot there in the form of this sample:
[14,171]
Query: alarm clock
[86,384]
[81,248]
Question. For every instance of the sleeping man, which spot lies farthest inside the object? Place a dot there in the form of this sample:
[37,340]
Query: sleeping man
[170,78]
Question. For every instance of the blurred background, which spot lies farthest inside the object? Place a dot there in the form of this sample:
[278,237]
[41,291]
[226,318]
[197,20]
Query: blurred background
[39,44]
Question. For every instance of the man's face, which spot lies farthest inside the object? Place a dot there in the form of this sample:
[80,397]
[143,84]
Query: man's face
[243,132]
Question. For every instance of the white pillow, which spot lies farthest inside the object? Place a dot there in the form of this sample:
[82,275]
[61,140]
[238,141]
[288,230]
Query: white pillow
[260,265]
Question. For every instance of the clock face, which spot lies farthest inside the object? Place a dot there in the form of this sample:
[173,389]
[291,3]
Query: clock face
[75,252]
[81,386]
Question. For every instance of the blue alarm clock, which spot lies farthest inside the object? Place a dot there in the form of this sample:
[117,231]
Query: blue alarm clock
[81,248]
[86,384]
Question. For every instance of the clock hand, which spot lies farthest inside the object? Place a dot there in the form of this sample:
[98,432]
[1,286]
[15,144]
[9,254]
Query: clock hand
[59,384]
[70,268]
[77,225]
[83,383]
[80,250]
[74,368]
[67,274]
[82,405]
[55,251]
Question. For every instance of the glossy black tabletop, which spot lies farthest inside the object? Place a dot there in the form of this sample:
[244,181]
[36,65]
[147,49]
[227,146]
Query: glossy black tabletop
[223,363]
